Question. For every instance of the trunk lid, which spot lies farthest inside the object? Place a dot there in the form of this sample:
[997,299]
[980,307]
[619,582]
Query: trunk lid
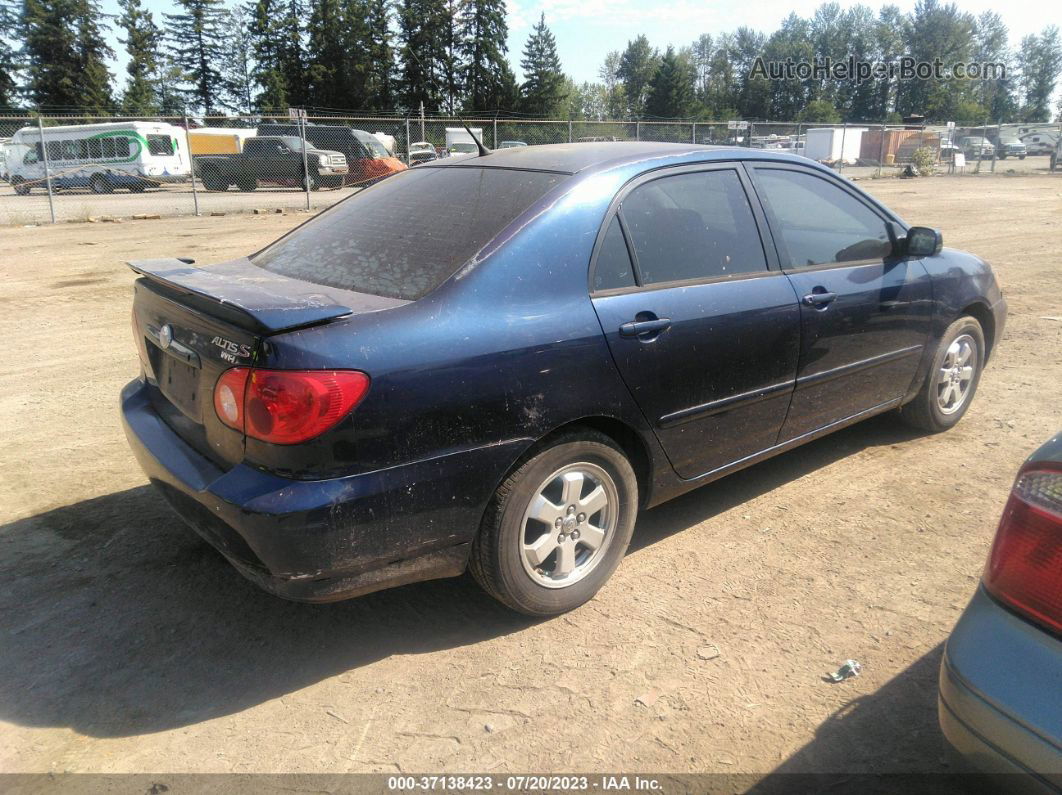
[192,324]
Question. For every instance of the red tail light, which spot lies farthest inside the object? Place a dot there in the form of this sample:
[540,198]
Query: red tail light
[287,406]
[1025,566]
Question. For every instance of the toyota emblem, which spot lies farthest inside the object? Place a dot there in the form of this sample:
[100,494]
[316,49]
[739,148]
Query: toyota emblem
[165,336]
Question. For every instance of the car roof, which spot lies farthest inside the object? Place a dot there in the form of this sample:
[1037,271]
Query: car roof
[580,157]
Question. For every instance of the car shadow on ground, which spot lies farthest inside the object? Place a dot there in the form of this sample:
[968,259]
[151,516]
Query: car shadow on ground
[117,620]
[863,746]
[696,506]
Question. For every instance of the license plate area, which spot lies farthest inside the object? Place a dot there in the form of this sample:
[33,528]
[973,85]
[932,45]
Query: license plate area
[177,380]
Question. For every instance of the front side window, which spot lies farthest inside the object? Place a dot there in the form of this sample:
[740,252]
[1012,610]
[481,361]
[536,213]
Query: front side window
[818,223]
[693,226]
[121,147]
[95,148]
[356,245]
[108,148]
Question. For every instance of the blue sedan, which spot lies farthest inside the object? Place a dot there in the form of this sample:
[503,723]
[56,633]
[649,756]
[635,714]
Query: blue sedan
[565,336]
[1000,699]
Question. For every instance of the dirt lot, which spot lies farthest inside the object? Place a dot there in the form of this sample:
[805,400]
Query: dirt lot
[129,645]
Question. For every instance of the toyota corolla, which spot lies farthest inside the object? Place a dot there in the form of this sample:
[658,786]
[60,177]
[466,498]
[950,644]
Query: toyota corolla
[494,363]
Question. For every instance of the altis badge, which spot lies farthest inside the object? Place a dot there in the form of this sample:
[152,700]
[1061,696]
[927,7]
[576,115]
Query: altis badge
[230,350]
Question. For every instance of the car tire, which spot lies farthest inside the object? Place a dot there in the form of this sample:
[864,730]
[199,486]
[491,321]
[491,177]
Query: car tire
[949,387]
[247,185]
[22,188]
[99,184]
[1021,157]
[314,181]
[516,556]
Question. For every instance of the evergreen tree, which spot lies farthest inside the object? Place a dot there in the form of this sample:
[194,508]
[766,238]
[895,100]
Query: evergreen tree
[422,26]
[66,55]
[8,65]
[268,44]
[292,56]
[142,39]
[484,33]
[543,90]
[452,61]
[335,39]
[671,89]
[237,69]
[381,57]
[197,38]
[93,53]
[636,69]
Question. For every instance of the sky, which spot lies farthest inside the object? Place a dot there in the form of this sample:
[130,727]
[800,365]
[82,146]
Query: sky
[586,30]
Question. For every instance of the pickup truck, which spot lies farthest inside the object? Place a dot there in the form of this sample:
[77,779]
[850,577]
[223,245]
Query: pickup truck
[273,159]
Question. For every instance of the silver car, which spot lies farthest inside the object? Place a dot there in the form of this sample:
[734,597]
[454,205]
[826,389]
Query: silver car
[1000,702]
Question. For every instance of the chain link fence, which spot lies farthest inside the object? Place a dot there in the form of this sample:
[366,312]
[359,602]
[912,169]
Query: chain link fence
[56,169]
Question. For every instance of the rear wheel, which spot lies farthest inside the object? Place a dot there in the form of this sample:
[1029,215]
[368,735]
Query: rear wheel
[952,379]
[247,184]
[212,180]
[137,187]
[558,526]
[98,183]
[20,185]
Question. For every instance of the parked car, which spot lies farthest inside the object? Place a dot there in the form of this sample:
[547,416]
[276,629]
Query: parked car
[1010,147]
[422,156]
[1000,702]
[574,333]
[511,144]
[275,159]
[367,158]
[977,147]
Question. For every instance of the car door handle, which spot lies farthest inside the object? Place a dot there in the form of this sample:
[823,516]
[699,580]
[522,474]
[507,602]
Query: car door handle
[636,328]
[820,299]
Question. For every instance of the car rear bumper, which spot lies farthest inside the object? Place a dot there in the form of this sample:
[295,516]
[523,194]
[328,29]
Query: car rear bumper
[1000,702]
[322,540]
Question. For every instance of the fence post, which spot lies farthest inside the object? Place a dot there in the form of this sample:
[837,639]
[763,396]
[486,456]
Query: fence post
[881,149]
[844,134]
[638,130]
[47,167]
[305,163]
[797,141]
[693,133]
[408,140]
[995,149]
[191,166]
[495,132]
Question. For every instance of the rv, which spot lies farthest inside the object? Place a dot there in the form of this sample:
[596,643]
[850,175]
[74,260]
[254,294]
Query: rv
[131,155]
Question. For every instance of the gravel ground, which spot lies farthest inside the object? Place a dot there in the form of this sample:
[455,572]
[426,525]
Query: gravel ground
[130,646]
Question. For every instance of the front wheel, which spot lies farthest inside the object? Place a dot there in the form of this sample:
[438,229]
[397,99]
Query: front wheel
[100,184]
[952,379]
[558,526]
[22,188]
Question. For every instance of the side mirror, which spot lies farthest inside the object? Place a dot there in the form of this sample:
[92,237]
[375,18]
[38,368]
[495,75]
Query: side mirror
[923,241]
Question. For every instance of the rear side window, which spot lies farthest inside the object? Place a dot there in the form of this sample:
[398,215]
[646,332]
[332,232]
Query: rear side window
[820,223]
[409,233]
[693,226]
[613,267]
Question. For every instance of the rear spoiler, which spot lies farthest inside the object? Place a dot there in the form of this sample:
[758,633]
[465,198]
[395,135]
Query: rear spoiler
[245,295]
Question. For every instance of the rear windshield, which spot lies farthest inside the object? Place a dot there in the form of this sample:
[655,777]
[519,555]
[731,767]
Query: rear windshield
[408,234]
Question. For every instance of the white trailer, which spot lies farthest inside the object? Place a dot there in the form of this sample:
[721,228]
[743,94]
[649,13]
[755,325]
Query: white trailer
[831,144]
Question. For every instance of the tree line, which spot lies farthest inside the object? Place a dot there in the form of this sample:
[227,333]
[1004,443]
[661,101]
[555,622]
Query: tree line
[447,56]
